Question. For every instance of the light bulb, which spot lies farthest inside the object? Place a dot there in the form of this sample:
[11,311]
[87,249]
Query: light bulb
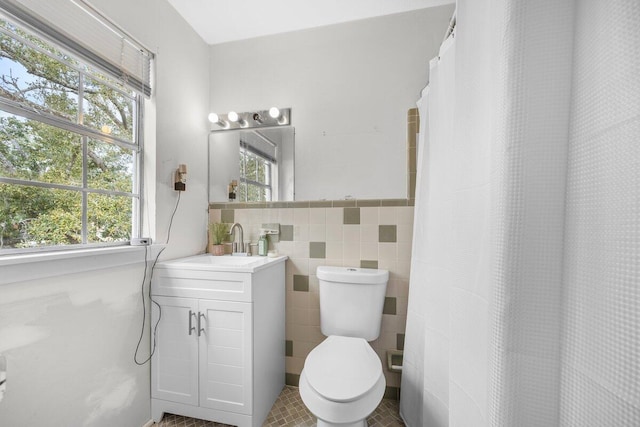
[274,112]
[233,116]
[214,118]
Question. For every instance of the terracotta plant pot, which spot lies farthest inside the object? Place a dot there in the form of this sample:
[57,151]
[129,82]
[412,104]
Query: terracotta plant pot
[216,250]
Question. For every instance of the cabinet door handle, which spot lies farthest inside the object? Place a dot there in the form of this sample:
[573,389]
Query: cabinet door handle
[191,327]
[200,328]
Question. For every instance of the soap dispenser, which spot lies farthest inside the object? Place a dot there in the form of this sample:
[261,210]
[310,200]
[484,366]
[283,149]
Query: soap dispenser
[263,244]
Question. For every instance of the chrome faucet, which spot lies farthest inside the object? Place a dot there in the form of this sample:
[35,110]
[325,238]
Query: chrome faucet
[238,247]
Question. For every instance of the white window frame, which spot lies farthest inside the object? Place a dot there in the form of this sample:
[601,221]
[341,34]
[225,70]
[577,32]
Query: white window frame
[85,133]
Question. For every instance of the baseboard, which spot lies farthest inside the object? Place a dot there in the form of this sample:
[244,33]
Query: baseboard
[148,423]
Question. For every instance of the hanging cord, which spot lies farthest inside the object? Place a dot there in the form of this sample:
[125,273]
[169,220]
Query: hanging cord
[144,279]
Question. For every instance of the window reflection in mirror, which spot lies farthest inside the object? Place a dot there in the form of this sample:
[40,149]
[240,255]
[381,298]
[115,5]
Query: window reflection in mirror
[258,168]
[260,160]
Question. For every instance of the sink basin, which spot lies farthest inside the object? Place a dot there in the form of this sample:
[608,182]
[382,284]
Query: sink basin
[224,263]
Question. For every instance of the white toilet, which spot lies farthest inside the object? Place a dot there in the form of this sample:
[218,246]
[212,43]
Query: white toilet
[342,381]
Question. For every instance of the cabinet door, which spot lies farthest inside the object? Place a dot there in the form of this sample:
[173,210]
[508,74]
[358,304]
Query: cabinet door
[226,356]
[174,366]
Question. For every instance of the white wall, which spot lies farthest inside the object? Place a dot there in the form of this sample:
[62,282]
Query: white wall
[69,343]
[70,340]
[349,85]
[181,109]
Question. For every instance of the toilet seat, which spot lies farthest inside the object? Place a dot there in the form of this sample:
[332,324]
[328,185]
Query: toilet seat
[343,369]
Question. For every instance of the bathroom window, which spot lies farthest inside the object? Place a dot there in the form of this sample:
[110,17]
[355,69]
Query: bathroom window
[70,149]
[256,174]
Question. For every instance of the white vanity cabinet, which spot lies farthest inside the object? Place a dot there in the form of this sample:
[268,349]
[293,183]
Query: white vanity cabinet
[220,341]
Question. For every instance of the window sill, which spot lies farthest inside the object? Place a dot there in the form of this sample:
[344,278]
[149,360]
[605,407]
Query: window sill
[32,266]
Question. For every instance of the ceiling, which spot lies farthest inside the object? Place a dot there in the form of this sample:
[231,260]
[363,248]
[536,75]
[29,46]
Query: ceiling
[220,21]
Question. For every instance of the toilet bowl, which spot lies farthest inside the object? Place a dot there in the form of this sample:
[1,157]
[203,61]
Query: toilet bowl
[342,382]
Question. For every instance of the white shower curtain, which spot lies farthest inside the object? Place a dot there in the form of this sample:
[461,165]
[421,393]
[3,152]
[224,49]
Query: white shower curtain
[524,305]
[428,308]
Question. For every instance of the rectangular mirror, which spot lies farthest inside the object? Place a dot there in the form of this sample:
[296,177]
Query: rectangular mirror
[260,160]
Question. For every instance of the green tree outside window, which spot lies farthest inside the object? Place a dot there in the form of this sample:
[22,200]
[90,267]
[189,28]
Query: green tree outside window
[63,184]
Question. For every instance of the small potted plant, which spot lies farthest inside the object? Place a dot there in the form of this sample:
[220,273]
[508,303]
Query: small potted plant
[218,232]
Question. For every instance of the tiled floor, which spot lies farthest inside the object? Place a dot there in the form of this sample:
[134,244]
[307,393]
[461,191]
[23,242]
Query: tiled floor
[289,411]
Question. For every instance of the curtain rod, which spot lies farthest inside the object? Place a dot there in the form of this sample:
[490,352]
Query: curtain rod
[452,26]
[447,34]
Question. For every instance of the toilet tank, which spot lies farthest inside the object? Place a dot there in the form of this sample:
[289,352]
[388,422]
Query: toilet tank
[351,301]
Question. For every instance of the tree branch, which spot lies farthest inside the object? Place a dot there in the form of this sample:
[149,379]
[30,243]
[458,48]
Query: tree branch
[98,160]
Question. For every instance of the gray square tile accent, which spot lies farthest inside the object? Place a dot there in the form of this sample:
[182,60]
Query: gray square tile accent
[300,204]
[387,233]
[317,249]
[227,215]
[366,203]
[288,348]
[412,160]
[321,204]
[344,203]
[399,341]
[367,263]
[389,305]
[301,283]
[286,233]
[351,216]
[390,392]
[413,176]
[291,379]
[394,202]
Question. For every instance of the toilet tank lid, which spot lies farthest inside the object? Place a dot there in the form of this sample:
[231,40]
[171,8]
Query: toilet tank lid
[352,275]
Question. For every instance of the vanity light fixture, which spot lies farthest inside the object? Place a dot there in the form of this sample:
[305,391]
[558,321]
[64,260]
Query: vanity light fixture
[214,118]
[274,113]
[257,118]
[272,117]
[235,118]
